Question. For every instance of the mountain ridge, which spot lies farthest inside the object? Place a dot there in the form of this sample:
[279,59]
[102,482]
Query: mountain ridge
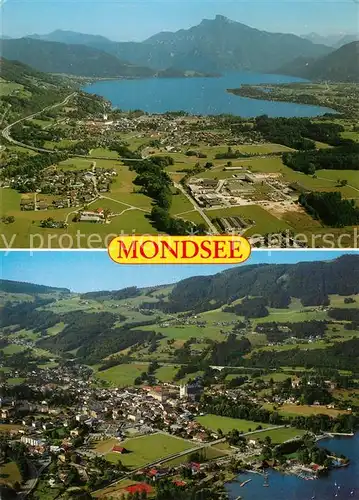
[75,59]
[337,269]
[214,45]
[338,66]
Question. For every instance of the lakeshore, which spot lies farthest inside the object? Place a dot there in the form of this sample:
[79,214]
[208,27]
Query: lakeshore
[341,482]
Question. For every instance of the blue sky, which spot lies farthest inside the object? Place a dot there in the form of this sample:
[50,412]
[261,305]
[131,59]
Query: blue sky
[83,271]
[138,19]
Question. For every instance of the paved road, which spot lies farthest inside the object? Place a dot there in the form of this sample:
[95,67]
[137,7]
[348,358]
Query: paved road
[31,483]
[6,131]
[197,208]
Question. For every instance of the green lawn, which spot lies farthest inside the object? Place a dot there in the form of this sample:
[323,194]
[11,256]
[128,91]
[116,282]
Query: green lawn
[209,453]
[218,316]
[333,175]
[320,344]
[277,377]
[167,373]
[25,334]
[194,216]
[63,144]
[104,152]
[338,301]
[50,364]
[263,148]
[278,435]
[122,375]
[354,136]
[180,203]
[147,449]
[13,349]
[321,145]
[42,123]
[290,410]
[54,330]
[264,221]
[16,381]
[20,149]
[186,332]
[292,316]
[28,233]
[226,424]
[7,88]
[10,474]
[10,200]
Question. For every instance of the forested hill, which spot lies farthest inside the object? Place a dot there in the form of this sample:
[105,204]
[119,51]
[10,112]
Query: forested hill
[322,296]
[311,282]
[26,90]
[341,65]
[8,286]
[72,59]
[22,74]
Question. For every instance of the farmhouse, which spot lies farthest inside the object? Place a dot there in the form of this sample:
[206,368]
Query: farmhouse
[91,217]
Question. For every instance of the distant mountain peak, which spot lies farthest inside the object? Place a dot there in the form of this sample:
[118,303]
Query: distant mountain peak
[221,18]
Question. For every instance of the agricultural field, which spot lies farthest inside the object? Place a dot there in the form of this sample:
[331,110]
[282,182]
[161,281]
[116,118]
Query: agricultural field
[10,427]
[146,449]
[226,424]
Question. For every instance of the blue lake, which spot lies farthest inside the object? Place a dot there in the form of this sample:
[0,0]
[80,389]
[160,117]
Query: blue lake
[202,96]
[339,484]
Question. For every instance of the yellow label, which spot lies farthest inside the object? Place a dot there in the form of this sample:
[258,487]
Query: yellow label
[179,249]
